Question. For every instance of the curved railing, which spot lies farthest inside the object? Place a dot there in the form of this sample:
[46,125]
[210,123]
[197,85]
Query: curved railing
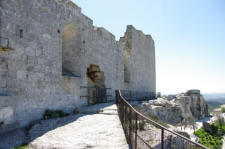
[143,133]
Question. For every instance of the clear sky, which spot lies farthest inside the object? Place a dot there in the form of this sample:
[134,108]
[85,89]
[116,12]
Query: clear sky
[189,37]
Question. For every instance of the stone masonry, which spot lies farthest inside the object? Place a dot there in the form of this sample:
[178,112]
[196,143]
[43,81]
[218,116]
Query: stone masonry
[46,48]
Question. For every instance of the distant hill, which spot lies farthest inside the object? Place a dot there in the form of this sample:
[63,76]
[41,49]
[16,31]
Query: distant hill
[214,99]
[220,97]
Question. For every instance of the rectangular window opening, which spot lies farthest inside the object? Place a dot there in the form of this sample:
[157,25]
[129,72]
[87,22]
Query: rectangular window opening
[21,33]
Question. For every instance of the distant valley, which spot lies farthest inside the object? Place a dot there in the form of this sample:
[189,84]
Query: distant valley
[214,99]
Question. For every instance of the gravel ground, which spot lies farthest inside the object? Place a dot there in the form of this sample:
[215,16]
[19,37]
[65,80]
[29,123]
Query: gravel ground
[97,131]
[96,127]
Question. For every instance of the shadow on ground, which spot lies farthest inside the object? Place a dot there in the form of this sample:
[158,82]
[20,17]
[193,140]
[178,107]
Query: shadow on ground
[17,137]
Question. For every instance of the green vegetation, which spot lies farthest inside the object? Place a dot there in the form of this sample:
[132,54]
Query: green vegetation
[223,109]
[22,146]
[49,114]
[213,139]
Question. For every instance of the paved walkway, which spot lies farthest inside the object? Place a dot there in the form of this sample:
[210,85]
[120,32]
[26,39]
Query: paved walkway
[101,130]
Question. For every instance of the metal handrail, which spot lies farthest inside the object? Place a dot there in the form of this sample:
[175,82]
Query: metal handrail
[120,99]
[138,95]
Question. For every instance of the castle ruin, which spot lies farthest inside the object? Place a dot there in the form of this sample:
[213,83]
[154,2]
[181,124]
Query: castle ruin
[51,56]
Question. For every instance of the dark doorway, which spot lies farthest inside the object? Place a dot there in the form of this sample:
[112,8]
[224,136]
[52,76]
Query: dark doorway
[96,83]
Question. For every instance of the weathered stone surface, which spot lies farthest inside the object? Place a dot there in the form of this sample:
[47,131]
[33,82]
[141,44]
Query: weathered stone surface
[190,92]
[165,110]
[47,36]
[4,42]
[139,69]
[194,105]
[6,115]
[182,108]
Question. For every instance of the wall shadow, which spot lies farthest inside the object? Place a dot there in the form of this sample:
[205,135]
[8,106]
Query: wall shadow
[16,137]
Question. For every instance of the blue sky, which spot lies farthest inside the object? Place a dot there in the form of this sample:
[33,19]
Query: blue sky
[189,37]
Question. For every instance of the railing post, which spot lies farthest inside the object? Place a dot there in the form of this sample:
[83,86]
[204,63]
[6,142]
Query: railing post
[130,95]
[136,127]
[126,120]
[162,138]
[130,125]
[122,111]
[124,116]
[117,94]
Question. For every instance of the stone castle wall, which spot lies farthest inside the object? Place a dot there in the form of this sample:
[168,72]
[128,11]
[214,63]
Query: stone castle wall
[46,47]
[139,58]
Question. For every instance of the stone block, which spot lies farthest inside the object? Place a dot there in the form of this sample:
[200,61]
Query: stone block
[4,42]
[22,74]
[35,76]
[3,83]
[2,60]
[3,92]
[32,60]
[30,50]
[3,66]
[3,74]
[6,115]
[39,52]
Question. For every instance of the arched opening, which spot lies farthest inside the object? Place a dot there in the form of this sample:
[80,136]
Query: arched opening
[96,83]
[71,51]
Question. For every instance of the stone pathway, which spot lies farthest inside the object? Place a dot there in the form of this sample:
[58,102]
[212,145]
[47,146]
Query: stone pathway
[100,130]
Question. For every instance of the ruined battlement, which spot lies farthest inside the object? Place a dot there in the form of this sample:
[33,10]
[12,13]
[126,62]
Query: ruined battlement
[69,4]
[49,50]
[104,33]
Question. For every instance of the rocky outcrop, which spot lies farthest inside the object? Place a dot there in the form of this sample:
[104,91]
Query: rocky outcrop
[206,127]
[176,109]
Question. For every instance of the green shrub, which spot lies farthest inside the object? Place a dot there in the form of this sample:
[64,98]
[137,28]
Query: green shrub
[214,129]
[49,114]
[213,141]
[22,146]
[223,109]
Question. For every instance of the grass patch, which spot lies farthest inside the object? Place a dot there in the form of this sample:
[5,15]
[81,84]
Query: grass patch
[212,140]
[22,146]
[49,114]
